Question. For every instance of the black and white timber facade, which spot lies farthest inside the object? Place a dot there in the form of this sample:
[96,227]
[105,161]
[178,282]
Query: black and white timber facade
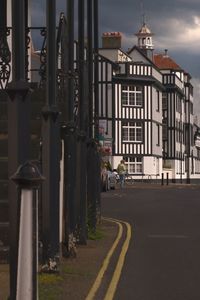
[151,107]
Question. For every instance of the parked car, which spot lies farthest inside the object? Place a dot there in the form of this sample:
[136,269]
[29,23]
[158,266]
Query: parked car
[108,177]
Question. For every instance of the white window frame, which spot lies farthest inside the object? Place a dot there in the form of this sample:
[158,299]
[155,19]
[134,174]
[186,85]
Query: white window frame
[134,164]
[131,131]
[164,100]
[132,95]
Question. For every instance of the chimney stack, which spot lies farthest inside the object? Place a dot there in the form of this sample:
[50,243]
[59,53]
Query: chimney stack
[111,40]
[166,52]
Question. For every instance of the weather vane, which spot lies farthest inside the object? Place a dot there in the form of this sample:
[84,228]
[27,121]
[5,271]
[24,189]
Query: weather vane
[142,12]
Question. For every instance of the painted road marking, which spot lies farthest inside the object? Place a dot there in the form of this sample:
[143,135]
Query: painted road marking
[167,236]
[117,273]
[105,264]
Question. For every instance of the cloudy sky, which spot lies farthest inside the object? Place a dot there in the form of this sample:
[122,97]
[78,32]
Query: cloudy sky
[175,24]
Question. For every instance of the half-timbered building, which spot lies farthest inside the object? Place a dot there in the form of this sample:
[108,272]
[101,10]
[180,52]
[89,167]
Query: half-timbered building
[137,107]
[152,110]
[195,153]
[173,101]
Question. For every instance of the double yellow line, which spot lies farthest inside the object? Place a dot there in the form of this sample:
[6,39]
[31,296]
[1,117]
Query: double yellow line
[117,273]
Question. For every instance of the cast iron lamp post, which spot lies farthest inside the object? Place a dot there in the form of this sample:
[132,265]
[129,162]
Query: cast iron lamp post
[96,108]
[70,139]
[50,148]
[18,128]
[82,119]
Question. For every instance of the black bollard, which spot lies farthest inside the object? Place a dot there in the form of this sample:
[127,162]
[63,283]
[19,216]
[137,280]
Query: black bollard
[162,180]
[167,178]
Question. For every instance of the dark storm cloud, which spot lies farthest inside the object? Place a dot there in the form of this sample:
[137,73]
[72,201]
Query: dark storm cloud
[175,24]
[126,16]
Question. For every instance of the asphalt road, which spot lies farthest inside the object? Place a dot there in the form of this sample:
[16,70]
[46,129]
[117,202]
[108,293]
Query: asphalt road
[163,260]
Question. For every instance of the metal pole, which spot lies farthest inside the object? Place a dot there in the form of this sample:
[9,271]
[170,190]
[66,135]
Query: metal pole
[69,134]
[28,179]
[162,180]
[71,130]
[70,58]
[25,287]
[91,162]
[3,9]
[82,119]
[96,101]
[90,65]
[50,150]
[18,38]
[51,52]
[18,128]
[81,65]
[167,178]
[91,185]
[96,68]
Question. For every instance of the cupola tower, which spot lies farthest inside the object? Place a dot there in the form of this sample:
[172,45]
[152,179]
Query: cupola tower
[145,41]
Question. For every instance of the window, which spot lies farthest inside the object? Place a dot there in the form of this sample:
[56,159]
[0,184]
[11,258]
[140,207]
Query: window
[178,104]
[164,129]
[134,164]
[164,100]
[132,95]
[132,132]
[198,153]
[158,101]
[158,135]
[191,107]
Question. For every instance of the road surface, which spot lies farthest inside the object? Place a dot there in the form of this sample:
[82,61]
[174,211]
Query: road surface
[163,259]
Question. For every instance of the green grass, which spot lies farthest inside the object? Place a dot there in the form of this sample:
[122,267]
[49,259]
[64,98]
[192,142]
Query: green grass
[50,286]
[74,271]
[98,234]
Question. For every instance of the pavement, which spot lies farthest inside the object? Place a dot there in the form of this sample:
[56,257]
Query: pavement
[77,275]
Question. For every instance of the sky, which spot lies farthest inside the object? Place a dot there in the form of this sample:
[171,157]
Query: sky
[175,24]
